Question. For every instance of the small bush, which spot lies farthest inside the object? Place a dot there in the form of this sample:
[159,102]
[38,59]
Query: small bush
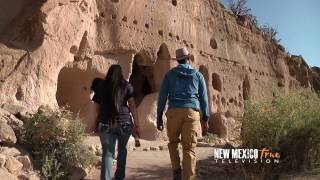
[269,33]
[239,8]
[55,139]
[210,138]
[51,168]
[287,123]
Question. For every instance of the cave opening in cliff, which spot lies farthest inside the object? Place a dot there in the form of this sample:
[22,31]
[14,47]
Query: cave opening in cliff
[147,75]
[213,43]
[216,82]
[141,78]
[73,92]
[174,2]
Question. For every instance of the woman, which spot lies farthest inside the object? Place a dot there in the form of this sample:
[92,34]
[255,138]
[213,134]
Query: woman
[115,121]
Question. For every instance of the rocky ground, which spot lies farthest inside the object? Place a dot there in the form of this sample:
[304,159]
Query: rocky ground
[15,162]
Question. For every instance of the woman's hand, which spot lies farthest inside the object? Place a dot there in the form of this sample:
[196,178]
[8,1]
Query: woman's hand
[133,109]
[136,133]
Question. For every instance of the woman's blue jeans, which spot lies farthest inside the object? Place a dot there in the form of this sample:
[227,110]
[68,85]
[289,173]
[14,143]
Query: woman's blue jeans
[108,137]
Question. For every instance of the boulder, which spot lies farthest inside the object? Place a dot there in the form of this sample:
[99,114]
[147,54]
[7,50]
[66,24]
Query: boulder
[13,121]
[16,125]
[152,148]
[5,175]
[7,135]
[4,112]
[147,112]
[146,149]
[9,151]
[13,165]
[2,160]
[77,174]
[226,126]
[26,162]
[163,148]
[13,108]
[98,151]
[3,116]
[29,176]
[3,119]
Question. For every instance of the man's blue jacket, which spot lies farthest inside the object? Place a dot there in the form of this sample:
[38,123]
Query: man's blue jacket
[185,87]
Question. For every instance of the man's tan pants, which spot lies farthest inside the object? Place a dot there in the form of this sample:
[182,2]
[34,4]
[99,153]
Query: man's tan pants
[183,121]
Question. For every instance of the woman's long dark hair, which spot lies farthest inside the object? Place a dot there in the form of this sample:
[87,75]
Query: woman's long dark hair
[114,93]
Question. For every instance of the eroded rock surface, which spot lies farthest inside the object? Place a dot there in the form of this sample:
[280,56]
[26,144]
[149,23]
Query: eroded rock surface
[7,135]
[50,51]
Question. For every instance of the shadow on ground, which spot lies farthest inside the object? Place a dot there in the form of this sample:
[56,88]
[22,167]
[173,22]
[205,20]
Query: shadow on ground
[152,172]
[208,169]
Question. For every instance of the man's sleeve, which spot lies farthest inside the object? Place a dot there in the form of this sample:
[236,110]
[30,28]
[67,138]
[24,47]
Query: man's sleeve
[203,98]
[162,99]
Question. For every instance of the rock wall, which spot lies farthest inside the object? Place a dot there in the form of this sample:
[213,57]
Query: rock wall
[50,50]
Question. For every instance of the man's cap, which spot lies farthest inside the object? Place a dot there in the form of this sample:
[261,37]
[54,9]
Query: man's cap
[181,53]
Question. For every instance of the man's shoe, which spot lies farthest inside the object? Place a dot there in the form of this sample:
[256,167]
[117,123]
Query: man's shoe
[177,174]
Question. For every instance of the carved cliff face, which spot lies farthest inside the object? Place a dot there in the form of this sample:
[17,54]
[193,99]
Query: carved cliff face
[50,51]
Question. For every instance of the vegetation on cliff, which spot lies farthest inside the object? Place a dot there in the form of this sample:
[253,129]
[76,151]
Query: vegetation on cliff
[240,9]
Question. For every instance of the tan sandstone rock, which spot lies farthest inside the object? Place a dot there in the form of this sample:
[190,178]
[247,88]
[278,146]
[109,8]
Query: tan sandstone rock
[5,175]
[13,165]
[78,173]
[4,112]
[9,151]
[50,52]
[147,112]
[13,109]
[7,135]
[26,162]
[29,176]
[3,159]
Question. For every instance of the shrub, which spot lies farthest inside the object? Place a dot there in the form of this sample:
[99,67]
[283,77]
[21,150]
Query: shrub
[269,33]
[55,139]
[287,123]
[239,8]
[51,168]
[210,138]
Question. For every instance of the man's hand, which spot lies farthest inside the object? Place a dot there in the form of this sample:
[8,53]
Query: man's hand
[137,131]
[204,127]
[160,124]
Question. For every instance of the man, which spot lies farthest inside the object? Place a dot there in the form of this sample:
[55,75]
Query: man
[186,90]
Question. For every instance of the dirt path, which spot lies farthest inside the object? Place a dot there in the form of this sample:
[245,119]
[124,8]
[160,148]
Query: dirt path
[146,165]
